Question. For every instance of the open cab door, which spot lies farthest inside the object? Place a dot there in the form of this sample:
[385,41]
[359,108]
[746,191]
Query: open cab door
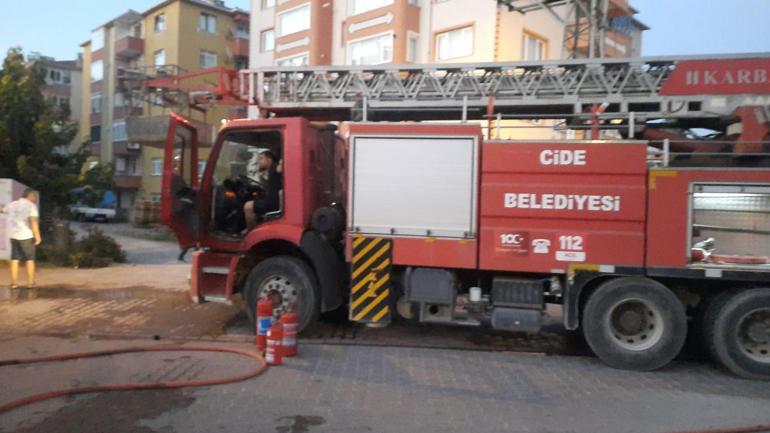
[180,204]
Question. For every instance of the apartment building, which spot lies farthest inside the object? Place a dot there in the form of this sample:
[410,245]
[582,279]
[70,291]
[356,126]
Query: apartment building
[171,37]
[289,33]
[63,87]
[370,32]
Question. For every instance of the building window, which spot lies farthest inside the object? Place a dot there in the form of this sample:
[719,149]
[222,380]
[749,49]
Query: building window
[208,59]
[137,30]
[411,47]
[159,58]
[119,131]
[96,133]
[533,47]
[160,23]
[300,60]
[120,165]
[207,23]
[454,43]
[242,30]
[155,197]
[96,103]
[157,166]
[293,21]
[97,40]
[267,40]
[63,102]
[97,71]
[361,6]
[372,51]
[55,76]
[267,4]
[133,167]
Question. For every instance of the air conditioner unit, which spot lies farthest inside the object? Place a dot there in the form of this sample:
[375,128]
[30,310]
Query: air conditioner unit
[133,146]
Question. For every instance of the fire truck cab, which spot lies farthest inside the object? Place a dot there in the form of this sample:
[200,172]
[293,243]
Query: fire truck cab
[431,222]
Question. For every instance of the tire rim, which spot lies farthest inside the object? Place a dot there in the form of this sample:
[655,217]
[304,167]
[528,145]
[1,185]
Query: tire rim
[635,324]
[754,335]
[281,292]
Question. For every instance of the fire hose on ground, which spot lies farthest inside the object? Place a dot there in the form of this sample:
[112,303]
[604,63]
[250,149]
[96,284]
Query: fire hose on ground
[198,383]
[131,386]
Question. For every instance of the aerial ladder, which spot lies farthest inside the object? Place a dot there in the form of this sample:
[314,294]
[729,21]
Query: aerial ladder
[689,102]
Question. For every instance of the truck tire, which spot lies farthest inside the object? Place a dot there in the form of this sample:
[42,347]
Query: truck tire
[739,333]
[289,281]
[713,307]
[634,323]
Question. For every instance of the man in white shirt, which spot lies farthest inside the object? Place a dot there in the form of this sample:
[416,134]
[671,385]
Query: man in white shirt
[24,232]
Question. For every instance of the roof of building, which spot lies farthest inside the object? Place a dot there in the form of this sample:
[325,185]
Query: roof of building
[129,17]
[72,65]
[216,5]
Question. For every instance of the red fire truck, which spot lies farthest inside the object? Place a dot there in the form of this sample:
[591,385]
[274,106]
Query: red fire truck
[433,222]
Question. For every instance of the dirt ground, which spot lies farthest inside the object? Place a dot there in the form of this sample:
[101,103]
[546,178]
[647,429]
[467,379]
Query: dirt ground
[151,264]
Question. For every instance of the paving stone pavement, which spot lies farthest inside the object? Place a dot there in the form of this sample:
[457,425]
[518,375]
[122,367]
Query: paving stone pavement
[333,388]
[124,313]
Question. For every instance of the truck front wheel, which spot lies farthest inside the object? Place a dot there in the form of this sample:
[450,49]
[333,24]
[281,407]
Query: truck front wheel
[738,328]
[634,324]
[289,283]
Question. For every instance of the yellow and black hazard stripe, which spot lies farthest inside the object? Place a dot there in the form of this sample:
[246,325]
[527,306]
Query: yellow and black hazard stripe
[370,280]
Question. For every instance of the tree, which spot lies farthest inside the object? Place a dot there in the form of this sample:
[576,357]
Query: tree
[96,181]
[33,132]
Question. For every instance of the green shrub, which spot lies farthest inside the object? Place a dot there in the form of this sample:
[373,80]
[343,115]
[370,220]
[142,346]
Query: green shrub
[95,250]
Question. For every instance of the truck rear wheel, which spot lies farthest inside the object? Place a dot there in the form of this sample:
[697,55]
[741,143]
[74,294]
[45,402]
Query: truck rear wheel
[289,283]
[634,324]
[739,333]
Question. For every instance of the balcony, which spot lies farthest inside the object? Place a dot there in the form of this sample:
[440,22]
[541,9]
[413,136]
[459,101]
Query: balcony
[123,148]
[616,44]
[619,8]
[239,46]
[129,47]
[126,181]
[153,131]
[126,111]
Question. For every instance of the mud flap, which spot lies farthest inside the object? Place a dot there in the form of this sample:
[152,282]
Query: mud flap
[370,286]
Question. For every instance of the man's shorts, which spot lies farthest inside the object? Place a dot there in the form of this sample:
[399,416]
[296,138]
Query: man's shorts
[23,250]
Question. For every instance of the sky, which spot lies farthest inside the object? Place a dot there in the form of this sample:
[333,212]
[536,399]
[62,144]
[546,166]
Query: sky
[678,27]
[56,28]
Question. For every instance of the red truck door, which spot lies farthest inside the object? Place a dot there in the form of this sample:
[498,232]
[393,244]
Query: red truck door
[180,207]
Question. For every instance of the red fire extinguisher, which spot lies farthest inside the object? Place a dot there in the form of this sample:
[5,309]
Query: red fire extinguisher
[264,321]
[274,352]
[290,321]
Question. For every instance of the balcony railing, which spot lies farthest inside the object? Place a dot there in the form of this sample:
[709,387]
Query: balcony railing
[616,44]
[127,181]
[239,46]
[124,148]
[129,47]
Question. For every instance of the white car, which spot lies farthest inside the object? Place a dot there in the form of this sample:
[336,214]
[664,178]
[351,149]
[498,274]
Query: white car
[84,213]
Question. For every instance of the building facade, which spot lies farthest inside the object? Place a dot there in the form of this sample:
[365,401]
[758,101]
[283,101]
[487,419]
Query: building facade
[172,37]
[63,87]
[289,33]
[371,32]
